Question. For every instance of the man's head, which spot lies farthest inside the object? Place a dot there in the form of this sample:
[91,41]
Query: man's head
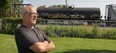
[29,15]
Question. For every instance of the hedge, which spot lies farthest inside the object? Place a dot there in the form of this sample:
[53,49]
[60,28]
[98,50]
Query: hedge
[9,25]
[83,31]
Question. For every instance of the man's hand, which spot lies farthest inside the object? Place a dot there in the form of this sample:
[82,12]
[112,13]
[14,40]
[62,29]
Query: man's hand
[46,42]
[50,46]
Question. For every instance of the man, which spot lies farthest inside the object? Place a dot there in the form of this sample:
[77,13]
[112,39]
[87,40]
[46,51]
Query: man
[30,39]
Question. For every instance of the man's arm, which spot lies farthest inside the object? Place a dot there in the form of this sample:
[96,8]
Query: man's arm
[42,46]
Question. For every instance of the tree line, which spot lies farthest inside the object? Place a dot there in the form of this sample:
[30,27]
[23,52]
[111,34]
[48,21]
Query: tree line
[6,5]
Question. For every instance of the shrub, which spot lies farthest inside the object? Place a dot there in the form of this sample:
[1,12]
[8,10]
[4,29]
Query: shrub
[83,31]
[9,25]
[109,33]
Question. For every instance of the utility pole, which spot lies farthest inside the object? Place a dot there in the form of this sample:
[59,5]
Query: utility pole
[66,2]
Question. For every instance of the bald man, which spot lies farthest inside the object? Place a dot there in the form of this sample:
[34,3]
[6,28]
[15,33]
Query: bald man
[30,39]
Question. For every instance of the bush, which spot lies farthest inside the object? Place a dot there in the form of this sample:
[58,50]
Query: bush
[80,31]
[9,25]
[109,33]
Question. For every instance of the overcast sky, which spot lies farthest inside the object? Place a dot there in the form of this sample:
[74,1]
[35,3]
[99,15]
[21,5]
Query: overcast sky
[77,3]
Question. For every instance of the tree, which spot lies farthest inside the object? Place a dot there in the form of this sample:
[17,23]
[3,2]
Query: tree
[16,5]
[5,6]
[5,11]
[17,1]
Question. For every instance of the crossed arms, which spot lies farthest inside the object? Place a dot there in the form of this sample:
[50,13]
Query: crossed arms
[42,46]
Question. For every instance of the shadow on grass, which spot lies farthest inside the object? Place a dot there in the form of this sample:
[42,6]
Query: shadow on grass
[88,51]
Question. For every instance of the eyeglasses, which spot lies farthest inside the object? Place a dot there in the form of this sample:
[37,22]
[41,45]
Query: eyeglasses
[32,13]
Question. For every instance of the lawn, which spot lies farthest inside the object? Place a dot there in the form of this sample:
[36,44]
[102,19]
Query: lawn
[65,45]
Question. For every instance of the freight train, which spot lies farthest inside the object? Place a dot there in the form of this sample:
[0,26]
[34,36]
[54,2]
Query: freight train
[71,13]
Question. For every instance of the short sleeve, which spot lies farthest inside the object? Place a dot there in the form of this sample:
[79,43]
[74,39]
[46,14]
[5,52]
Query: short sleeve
[25,38]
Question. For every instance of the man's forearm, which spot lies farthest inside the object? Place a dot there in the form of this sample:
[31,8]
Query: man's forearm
[39,46]
[47,46]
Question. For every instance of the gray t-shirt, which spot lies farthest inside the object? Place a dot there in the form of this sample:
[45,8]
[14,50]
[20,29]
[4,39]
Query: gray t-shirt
[25,37]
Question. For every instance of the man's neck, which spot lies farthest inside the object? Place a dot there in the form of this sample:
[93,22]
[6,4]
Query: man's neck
[29,26]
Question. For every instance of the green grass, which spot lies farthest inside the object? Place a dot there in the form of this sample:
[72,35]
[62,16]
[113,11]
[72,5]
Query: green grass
[65,45]
[79,45]
[7,44]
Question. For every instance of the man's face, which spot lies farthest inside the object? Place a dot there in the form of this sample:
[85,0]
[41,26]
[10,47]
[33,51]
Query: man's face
[31,17]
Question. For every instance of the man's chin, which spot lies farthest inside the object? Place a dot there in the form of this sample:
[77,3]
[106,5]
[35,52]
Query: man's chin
[33,23]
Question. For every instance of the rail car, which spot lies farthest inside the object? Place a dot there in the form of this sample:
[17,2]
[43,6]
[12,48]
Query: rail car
[70,13]
[110,14]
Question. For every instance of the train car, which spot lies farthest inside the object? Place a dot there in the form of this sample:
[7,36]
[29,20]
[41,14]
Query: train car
[70,13]
[110,13]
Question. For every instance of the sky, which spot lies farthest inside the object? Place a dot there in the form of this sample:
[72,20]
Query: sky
[77,3]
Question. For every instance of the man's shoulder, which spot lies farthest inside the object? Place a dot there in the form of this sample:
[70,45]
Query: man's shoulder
[20,29]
